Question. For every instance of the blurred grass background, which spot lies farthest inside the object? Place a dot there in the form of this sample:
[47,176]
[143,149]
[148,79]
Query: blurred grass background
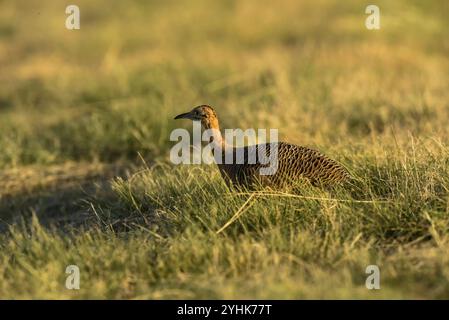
[78,107]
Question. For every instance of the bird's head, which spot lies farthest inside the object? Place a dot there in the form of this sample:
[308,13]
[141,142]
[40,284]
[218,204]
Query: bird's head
[204,113]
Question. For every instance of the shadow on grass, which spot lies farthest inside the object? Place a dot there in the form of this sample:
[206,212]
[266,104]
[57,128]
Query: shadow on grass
[57,195]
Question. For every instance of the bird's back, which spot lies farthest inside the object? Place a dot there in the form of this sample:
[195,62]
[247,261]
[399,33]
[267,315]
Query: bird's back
[293,163]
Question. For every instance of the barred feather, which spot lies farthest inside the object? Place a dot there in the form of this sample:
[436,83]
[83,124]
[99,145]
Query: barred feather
[294,162]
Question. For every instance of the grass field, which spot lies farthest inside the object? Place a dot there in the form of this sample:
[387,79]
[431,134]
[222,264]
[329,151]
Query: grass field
[85,118]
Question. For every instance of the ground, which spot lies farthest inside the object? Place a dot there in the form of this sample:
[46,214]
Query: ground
[85,119]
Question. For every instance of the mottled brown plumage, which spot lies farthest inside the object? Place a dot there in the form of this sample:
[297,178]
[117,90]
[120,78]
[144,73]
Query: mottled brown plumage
[294,162]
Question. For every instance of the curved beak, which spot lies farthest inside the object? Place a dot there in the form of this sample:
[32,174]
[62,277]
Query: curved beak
[183,116]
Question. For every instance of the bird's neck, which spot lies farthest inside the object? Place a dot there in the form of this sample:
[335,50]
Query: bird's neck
[216,138]
[219,147]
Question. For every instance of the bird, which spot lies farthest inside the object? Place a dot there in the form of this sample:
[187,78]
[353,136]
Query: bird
[294,162]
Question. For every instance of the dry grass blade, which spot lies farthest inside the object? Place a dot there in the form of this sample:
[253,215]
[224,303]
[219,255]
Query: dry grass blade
[238,213]
[289,195]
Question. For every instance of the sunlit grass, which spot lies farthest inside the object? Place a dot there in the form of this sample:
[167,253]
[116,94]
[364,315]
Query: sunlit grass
[377,101]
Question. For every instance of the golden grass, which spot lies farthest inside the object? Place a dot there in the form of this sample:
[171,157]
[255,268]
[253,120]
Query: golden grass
[80,107]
